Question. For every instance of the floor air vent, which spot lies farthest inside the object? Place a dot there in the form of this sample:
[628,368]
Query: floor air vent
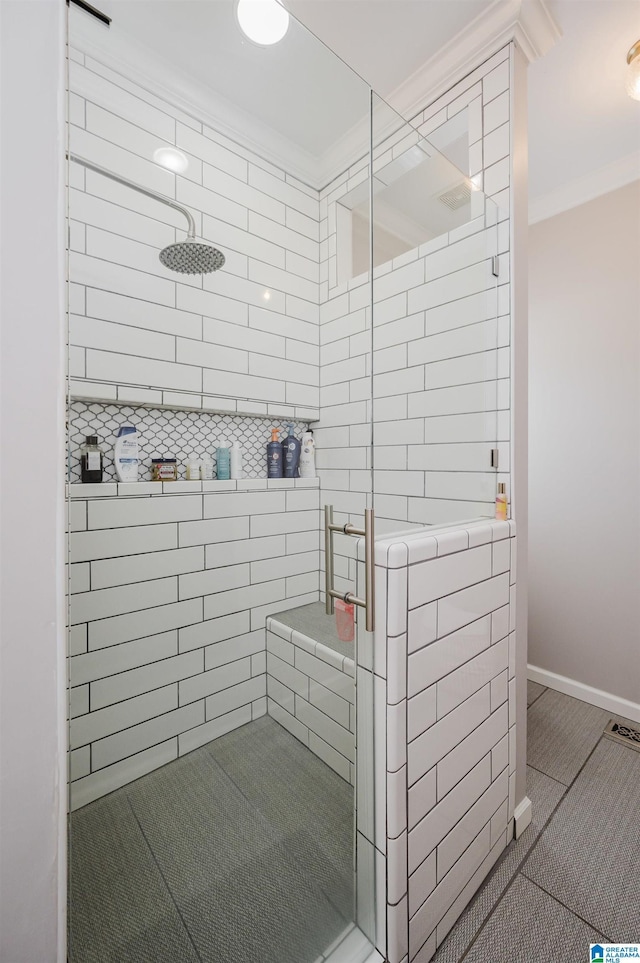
[625,734]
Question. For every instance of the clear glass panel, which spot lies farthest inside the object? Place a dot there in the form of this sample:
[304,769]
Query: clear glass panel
[435,331]
[213,763]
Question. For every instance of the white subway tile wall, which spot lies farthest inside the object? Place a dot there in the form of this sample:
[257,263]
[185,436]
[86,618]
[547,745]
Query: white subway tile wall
[168,633]
[245,336]
[449,723]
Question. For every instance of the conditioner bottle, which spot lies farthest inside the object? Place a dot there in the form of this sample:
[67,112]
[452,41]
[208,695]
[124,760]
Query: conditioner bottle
[308,456]
[235,460]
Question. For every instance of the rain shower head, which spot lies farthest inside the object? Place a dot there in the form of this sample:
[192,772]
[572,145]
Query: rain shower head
[192,257]
[185,257]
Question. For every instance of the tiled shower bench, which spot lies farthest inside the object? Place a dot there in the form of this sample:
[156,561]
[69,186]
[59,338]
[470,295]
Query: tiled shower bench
[311,687]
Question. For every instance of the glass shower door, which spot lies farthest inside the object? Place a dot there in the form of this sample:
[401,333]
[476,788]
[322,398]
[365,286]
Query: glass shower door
[438,376]
[214,757]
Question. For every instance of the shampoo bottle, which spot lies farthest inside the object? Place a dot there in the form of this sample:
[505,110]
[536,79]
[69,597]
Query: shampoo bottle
[126,454]
[223,461]
[274,456]
[236,460]
[501,502]
[291,446]
[308,456]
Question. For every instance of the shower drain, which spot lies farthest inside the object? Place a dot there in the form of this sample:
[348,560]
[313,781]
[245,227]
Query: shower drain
[625,734]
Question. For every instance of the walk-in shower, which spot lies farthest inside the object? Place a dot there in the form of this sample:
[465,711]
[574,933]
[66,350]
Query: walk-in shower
[236,791]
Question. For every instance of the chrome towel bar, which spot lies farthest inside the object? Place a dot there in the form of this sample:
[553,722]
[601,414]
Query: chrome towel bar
[368,603]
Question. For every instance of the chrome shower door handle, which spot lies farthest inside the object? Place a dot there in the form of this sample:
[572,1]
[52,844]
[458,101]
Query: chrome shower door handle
[367,603]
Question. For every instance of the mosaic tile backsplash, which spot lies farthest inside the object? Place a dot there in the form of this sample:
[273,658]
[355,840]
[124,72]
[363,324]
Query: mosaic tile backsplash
[169,433]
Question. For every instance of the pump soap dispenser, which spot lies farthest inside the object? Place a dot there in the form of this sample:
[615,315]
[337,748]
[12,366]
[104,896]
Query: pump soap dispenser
[274,455]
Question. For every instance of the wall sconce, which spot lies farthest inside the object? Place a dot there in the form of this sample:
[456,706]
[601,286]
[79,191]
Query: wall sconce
[633,71]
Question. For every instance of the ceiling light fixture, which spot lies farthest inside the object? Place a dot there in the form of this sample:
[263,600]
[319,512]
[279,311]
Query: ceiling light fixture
[174,160]
[263,21]
[633,71]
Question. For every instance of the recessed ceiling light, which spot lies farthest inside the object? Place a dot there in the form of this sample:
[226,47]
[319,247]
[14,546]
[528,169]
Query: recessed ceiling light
[633,71]
[263,21]
[174,160]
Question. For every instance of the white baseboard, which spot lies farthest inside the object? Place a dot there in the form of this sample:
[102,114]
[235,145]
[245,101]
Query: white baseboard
[522,816]
[586,693]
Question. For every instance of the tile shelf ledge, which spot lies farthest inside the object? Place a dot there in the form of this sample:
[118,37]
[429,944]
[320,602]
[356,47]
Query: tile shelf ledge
[181,487]
[406,548]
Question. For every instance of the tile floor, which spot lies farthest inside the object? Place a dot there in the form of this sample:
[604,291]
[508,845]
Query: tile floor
[573,877]
[214,859]
[240,852]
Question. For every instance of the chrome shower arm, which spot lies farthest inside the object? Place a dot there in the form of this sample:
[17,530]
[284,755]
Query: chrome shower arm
[137,187]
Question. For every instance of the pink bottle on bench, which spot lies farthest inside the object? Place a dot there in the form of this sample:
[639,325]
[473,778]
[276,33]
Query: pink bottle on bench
[345,621]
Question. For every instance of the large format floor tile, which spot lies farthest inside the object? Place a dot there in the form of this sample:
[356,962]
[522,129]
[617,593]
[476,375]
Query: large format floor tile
[545,794]
[240,852]
[561,732]
[300,797]
[589,856]
[236,878]
[530,925]
[120,908]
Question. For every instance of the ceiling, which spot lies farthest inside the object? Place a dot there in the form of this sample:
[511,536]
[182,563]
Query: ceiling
[580,117]
[386,40]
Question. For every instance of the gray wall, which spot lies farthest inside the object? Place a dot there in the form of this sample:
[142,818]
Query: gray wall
[584,456]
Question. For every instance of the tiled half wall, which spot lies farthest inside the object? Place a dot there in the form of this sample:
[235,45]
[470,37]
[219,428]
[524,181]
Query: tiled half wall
[170,587]
[442,669]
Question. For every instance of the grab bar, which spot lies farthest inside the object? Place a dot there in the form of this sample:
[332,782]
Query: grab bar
[368,603]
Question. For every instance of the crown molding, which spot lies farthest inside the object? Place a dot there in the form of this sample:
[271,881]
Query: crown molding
[586,188]
[527,22]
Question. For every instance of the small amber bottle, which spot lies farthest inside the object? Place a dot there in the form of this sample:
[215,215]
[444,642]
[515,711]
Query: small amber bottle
[501,502]
[92,461]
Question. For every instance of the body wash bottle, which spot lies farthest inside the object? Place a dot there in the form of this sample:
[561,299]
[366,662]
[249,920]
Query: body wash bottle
[291,447]
[501,502]
[274,455]
[308,456]
[126,454]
